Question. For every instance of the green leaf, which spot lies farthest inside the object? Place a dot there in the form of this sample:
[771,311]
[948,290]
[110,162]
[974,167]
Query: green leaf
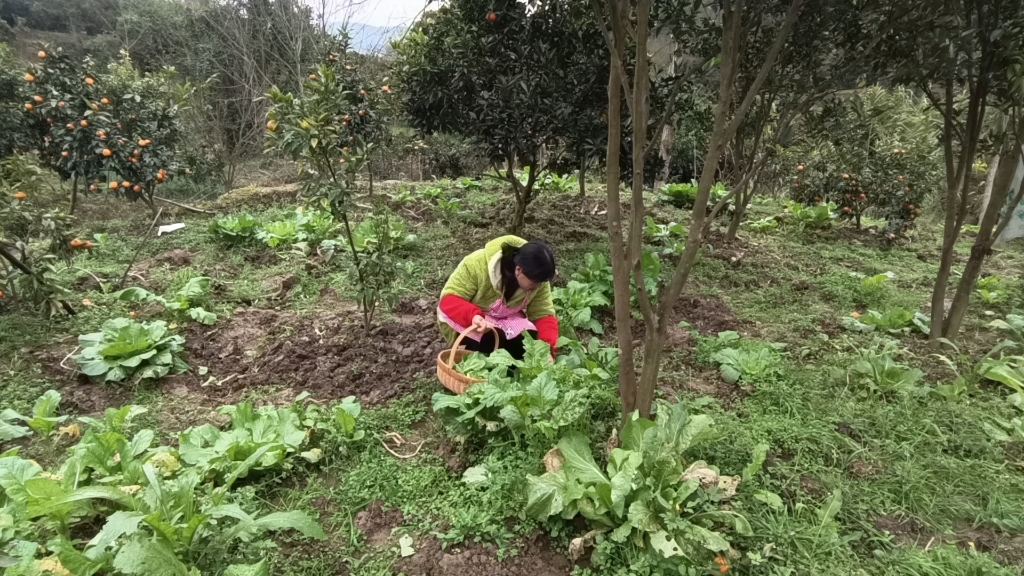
[642,517]
[475,476]
[544,495]
[149,558]
[756,462]
[770,498]
[827,513]
[262,568]
[579,459]
[118,524]
[708,538]
[662,542]
[202,316]
[405,546]
[730,373]
[633,432]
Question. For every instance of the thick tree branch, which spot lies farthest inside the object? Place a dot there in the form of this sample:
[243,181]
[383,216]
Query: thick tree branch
[616,49]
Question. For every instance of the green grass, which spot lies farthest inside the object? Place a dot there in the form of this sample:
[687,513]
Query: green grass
[910,456]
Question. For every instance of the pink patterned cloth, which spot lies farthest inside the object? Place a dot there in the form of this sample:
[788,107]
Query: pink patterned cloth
[511,321]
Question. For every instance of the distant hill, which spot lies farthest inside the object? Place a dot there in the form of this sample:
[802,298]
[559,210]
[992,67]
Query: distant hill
[368,39]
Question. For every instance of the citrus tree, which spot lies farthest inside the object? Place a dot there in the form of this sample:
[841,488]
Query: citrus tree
[116,132]
[33,238]
[874,151]
[509,76]
[330,127]
[17,132]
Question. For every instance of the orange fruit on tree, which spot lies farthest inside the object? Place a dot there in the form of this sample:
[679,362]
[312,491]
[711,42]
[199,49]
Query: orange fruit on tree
[362,92]
[38,99]
[61,104]
[84,123]
[144,143]
[492,17]
[101,134]
[272,125]
[87,244]
[20,195]
[385,89]
[137,188]
[104,101]
[30,78]
[349,68]
[70,126]
[29,106]
[114,185]
[312,76]
[95,107]
[126,184]
[41,54]
[362,112]
[89,80]
[92,187]
[800,168]
[76,243]
[65,154]
[107,153]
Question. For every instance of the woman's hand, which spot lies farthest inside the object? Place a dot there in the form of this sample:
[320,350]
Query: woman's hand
[481,324]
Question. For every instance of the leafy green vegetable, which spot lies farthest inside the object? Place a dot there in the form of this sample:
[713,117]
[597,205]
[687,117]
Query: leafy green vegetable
[43,420]
[575,306]
[876,369]
[235,228]
[746,365]
[539,399]
[183,300]
[125,348]
[645,493]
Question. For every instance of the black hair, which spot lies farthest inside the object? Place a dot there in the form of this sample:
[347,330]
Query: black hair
[535,258]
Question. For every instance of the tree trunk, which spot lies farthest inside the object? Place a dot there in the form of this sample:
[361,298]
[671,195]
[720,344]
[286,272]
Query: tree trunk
[958,180]
[737,216]
[369,173]
[990,179]
[74,195]
[982,246]
[583,176]
[668,136]
[620,268]
[641,109]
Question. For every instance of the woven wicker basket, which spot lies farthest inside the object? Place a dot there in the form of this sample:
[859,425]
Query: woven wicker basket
[447,359]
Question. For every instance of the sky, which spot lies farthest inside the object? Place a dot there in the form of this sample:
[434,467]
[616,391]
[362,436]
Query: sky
[373,12]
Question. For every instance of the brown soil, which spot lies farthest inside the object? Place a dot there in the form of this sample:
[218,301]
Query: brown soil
[177,258]
[812,486]
[377,525]
[708,314]
[536,558]
[327,354]
[1007,549]
[904,529]
[261,258]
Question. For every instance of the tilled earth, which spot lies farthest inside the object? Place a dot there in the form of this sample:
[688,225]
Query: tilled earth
[327,354]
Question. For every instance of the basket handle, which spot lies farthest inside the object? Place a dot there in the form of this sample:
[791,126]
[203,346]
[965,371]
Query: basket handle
[451,355]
